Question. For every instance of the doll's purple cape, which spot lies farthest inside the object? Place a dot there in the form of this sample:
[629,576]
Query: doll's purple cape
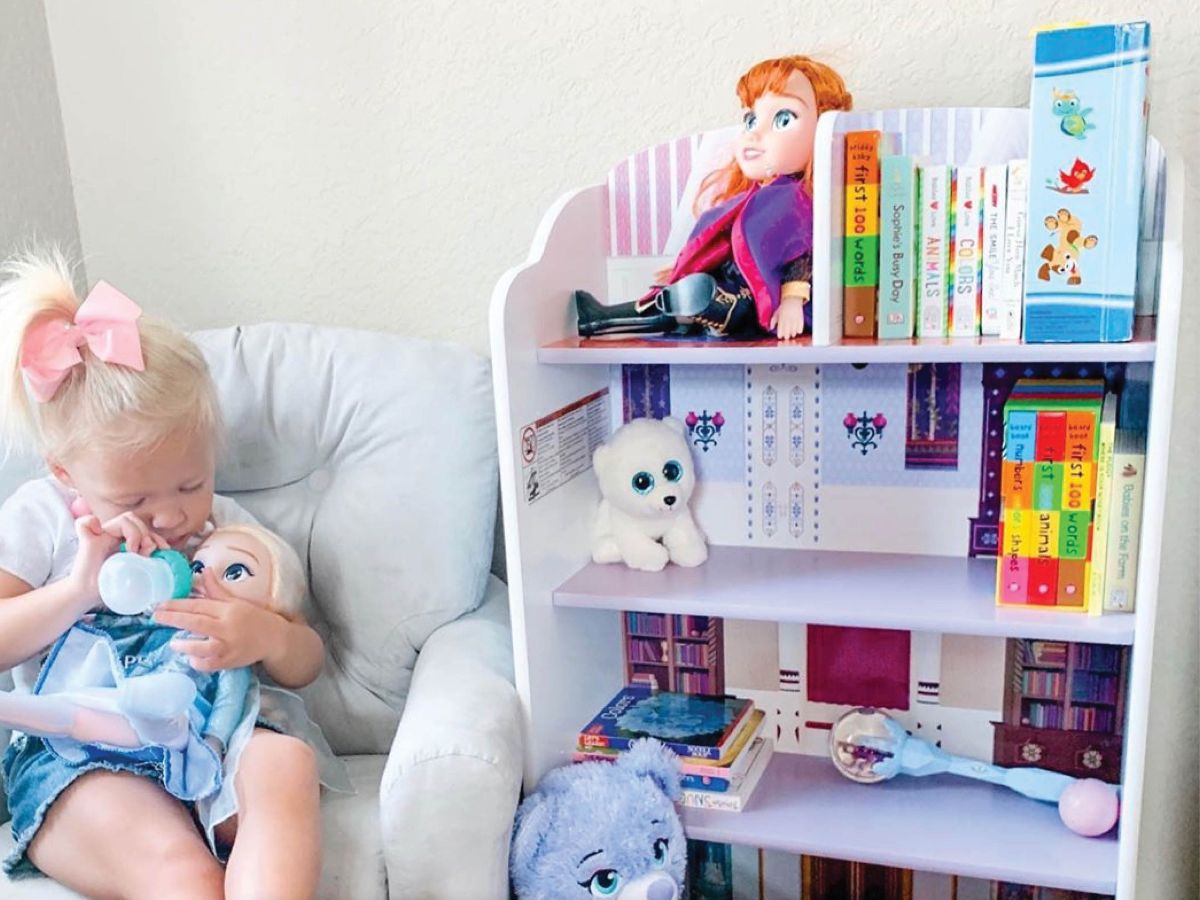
[762,229]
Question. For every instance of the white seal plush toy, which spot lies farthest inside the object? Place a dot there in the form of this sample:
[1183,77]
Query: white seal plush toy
[646,476]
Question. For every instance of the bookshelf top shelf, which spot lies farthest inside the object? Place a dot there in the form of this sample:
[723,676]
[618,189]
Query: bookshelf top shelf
[698,351]
[949,595]
[803,805]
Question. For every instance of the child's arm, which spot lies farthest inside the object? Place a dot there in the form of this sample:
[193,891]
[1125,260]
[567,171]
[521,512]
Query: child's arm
[32,618]
[298,657]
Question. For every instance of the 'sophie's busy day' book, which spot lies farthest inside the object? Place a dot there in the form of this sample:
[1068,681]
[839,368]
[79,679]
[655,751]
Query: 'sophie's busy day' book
[692,725]
[1087,145]
[897,246]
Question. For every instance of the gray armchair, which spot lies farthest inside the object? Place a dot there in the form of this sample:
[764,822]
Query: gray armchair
[375,457]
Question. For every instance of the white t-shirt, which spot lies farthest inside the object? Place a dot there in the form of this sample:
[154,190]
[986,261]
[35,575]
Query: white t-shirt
[38,542]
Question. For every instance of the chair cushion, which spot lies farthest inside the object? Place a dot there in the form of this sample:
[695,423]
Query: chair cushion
[351,844]
[374,455]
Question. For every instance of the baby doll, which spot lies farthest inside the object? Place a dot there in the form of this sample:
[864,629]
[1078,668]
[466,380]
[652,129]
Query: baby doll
[114,684]
[746,269]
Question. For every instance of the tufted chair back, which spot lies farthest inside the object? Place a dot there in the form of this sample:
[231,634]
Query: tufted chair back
[337,440]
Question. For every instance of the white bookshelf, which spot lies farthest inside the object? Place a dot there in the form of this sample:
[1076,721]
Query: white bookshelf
[566,610]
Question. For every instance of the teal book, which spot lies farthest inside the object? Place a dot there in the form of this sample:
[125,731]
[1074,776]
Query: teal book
[898,247]
[1087,146]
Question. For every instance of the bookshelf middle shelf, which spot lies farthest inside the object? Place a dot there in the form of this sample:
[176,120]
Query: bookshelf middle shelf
[948,595]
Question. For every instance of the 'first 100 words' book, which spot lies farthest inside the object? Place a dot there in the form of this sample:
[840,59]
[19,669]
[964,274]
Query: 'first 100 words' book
[697,726]
[1087,143]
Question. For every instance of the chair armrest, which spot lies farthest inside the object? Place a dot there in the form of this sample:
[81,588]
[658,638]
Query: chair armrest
[453,775]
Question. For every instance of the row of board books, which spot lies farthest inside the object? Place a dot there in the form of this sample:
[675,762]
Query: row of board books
[933,250]
[718,739]
[1072,480]
[947,255]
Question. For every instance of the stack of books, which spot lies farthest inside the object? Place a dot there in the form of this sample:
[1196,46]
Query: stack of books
[718,739]
[1071,487]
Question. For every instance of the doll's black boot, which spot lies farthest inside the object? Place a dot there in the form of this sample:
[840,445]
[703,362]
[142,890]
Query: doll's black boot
[671,310]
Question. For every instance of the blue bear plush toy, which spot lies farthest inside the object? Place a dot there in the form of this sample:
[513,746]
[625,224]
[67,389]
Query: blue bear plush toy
[599,829]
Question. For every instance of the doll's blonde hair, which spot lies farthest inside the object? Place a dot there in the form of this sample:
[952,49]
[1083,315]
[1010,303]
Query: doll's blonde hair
[98,405]
[288,582]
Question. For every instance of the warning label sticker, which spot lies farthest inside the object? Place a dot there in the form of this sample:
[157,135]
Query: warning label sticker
[559,446]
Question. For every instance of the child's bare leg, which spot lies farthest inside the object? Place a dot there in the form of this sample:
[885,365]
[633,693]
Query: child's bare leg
[277,834]
[115,834]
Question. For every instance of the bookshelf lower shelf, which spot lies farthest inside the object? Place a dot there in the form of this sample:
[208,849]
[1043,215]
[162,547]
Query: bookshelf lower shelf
[936,824]
[949,595]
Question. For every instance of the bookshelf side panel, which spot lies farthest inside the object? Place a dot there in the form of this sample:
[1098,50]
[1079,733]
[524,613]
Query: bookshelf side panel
[1170,288]
[567,662]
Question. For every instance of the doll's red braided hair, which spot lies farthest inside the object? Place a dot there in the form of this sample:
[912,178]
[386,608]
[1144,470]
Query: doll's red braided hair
[772,75]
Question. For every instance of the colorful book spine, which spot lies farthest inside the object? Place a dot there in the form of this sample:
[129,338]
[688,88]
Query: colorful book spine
[1047,487]
[860,253]
[1087,147]
[1100,511]
[995,204]
[967,266]
[1050,444]
[733,800]
[1075,519]
[935,183]
[1016,523]
[1124,527]
[898,247]
[1012,278]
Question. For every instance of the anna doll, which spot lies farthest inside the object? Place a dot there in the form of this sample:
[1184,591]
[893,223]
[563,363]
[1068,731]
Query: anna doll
[746,269]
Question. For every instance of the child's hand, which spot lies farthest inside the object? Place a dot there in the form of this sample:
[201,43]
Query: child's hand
[239,633]
[137,535]
[99,540]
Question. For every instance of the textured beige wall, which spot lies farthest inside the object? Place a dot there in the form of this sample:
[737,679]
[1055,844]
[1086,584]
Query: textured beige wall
[380,164]
[35,182]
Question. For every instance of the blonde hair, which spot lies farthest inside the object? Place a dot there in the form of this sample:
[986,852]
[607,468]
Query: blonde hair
[102,405]
[288,582]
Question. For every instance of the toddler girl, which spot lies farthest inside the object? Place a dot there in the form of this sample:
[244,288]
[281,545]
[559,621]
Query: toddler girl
[125,414]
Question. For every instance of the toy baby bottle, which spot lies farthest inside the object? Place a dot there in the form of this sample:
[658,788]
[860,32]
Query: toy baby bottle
[131,584]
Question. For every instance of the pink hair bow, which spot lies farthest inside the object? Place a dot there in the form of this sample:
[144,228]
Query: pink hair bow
[106,322]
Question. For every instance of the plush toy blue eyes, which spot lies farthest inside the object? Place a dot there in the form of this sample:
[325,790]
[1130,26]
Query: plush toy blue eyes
[783,119]
[673,470]
[660,851]
[643,482]
[604,883]
[197,567]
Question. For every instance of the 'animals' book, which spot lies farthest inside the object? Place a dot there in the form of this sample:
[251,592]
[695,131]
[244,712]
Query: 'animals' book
[1087,145]
[932,316]
[692,725]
